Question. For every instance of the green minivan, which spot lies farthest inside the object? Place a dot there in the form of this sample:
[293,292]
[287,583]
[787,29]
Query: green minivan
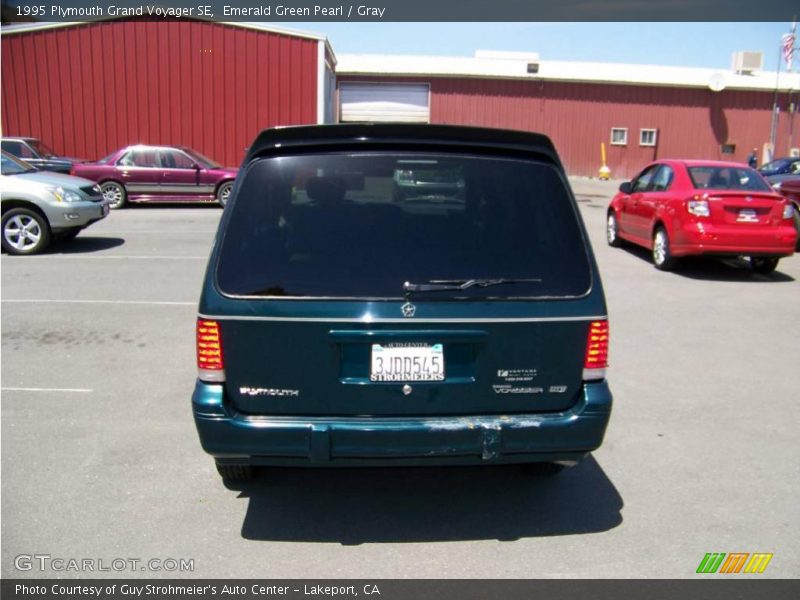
[342,323]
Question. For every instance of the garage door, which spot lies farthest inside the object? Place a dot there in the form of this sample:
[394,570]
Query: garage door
[382,102]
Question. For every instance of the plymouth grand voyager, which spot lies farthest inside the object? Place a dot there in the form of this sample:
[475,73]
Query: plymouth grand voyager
[342,325]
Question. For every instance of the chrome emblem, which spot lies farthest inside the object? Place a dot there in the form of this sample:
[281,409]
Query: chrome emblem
[408,309]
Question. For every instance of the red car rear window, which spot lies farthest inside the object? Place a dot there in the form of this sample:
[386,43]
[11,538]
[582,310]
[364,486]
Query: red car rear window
[727,178]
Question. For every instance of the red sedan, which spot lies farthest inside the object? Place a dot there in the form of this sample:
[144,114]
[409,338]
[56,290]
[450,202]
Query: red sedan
[689,207]
[158,174]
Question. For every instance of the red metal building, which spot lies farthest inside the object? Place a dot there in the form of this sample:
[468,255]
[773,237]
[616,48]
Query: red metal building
[640,113]
[89,88]
[86,89]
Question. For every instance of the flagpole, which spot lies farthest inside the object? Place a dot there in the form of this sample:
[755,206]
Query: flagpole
[793,104]
[773,128]
[788,54]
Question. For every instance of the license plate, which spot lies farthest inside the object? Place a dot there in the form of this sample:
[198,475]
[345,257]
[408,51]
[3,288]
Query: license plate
[407,362]
[747,215]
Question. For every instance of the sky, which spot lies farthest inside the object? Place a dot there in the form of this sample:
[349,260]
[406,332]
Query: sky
[708,45]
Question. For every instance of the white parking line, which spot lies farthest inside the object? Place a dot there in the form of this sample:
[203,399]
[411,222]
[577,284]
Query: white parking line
[135,302]
[67,390]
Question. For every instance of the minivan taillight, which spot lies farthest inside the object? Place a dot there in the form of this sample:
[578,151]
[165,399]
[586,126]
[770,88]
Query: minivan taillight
[210,366]
[596,359]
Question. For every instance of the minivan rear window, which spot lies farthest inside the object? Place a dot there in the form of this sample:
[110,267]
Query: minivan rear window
[360,225]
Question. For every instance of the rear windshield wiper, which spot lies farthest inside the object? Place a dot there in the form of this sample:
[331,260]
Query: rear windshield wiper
[438,285]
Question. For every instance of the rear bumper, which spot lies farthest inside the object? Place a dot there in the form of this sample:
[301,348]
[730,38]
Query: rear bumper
[361,441]
[706,238]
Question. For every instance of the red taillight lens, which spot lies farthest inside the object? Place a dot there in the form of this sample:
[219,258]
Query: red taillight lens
[209,346]
[698,207]
[596,359]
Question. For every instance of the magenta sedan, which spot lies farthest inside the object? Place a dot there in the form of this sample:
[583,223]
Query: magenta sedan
[158,174]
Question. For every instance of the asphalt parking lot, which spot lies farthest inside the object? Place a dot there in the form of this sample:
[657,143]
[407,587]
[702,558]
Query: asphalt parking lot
[100,459]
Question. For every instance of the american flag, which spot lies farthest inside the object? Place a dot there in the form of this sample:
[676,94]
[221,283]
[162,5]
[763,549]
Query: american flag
[787,42]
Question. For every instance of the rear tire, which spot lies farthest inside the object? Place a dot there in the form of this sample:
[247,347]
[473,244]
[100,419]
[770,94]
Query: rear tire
[543,469]
[612,230]
[224,192]
[24,231]
[797,226]
[662,254]
[235,473]
[764,264]
[115,193]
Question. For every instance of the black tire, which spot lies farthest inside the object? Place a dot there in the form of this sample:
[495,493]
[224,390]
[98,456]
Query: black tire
[66,235]
[24,231]
[612,230]
[543,469]
[797,226]
[224,192]
[764,264]
[235,473]
[116,193]
[662,255]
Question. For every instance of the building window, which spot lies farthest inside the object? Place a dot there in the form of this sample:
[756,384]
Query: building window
[728,149]
[619,136]
[647,137]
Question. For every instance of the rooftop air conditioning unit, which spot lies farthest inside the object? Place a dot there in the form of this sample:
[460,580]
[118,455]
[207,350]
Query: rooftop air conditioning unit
[747,62]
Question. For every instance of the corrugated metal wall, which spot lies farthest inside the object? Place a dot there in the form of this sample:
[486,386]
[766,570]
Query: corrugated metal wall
[691,123]
[90,89]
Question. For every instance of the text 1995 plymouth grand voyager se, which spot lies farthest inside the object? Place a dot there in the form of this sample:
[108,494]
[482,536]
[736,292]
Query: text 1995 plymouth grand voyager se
[342,325]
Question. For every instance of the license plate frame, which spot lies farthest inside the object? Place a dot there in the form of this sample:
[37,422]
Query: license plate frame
[407,362]
[747,215]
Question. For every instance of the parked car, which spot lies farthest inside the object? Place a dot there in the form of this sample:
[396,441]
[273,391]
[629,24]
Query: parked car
[422,182]
[780,166]
[690,207]
[38,154]
[776,180]
[159,174]
[789,188]
[338,326]
[779,170]
[39,206]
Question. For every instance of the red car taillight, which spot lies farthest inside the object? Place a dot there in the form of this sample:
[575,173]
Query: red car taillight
[596,358]
[698,206]
[210,365]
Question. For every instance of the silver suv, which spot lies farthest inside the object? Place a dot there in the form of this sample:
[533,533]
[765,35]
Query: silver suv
[39,206]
